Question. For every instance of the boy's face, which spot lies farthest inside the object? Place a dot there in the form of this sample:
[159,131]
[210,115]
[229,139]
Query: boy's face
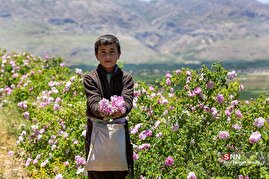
[108,56]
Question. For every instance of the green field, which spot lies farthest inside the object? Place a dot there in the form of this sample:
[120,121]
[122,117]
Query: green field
[255,84]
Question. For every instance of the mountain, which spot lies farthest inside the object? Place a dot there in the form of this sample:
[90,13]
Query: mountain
[157,31]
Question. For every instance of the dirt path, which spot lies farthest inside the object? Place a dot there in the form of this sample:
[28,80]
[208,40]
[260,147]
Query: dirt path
[10,167]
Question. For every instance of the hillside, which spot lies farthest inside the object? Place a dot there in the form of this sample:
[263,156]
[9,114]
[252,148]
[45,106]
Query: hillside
[158,31]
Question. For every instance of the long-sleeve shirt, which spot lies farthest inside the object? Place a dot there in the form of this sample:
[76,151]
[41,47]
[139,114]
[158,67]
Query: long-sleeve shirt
[97,87]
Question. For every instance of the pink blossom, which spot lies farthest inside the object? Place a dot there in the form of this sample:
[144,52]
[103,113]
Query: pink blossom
[220,98]
[238,113]
[259,122]
[35,161]
[79,71]
[10,153]
[206,109]
[243,177]
[168,81]
[15,75]
[28,161]
[105,107]
[67,86]
[23,105]
[191,94]
[224,135]
[58,99]
[237,127]
[210,84]
[255,137]
[175,127]
[234,102]
[156,124]
[188,73]
[214,112]
[151,88]
[51,83]
[178,71]
[56,107]
[163,101]
[136,93]
[26,115]
[160,134]
[169,161]
[80,160]
[201,105]
[135,129]
[197,90]
[80,170]
[191,175]
[66,163]
[150,111]
[144,134]
[231,75]
[135,156]
[144,146]
[228,113]
[118,104]
[168,75]
[165,112]
[59,176]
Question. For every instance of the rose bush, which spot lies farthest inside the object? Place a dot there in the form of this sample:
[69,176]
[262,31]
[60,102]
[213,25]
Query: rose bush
[182,128]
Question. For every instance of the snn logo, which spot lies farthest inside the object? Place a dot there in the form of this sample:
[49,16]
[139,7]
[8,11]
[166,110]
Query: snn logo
[231,156]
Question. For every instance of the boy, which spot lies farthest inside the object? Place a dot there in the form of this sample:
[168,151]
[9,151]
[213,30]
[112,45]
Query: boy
[105,81]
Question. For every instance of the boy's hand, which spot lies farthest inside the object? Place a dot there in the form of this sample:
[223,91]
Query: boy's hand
[116,115]
[103,114]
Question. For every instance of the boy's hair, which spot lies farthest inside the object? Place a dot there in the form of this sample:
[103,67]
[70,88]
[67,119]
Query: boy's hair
[107,39]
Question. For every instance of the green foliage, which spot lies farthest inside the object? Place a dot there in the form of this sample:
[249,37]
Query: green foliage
[181,118]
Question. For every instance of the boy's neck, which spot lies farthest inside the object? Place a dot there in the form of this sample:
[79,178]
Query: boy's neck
[110,71]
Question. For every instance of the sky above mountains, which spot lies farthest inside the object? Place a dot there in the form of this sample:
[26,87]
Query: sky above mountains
[263,1]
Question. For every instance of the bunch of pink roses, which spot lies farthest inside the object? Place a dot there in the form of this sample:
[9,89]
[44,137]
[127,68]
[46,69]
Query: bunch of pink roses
[115,105]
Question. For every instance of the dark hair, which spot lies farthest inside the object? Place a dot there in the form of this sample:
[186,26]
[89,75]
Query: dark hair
[107,39]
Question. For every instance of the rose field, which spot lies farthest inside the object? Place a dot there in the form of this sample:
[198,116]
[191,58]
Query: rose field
[191,125]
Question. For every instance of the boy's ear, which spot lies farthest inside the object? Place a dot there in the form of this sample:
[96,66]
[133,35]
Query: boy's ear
[96,57]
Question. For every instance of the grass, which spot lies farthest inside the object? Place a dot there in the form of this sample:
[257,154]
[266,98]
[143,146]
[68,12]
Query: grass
[9,167]
[10,120]
[252,94]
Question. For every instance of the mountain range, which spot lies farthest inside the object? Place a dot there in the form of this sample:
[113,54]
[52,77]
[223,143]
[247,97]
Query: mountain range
[156,31]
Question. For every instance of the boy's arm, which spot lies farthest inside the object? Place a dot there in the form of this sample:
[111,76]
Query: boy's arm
[128,92]
[93,95]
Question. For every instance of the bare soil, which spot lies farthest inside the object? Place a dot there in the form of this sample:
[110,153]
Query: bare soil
[10,166]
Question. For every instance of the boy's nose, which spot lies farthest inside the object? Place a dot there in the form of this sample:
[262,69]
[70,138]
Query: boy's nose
[107,56]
